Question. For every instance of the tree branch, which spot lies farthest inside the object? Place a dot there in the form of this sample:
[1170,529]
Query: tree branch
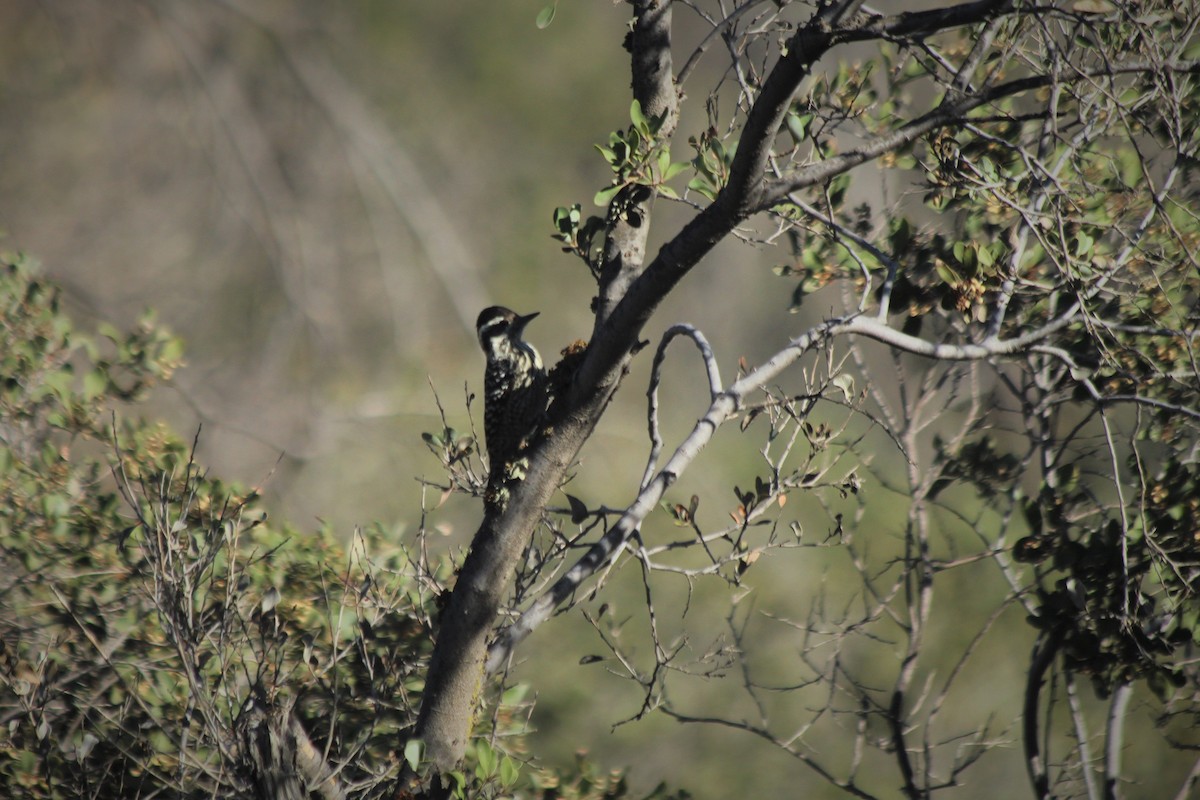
[654,89]
[745,193]
[1043,655]
[1115,739]
[456,669]
[714,387]
[946,114]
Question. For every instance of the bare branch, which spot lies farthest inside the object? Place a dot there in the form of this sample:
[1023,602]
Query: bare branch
[1114,737]
[714,387]
[946,114]
[1043,655]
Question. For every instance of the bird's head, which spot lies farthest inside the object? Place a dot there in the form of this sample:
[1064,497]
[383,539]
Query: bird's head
[497,325]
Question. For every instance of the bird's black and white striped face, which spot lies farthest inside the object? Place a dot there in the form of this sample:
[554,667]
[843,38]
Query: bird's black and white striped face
[500,331]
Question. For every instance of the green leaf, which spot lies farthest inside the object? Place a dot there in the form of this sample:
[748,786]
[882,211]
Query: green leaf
[414,751]
[947,274]
[172,350]
[797,126]
[509,772]
[487,759]
[94,384]
[1083,244]
[545,16]
[640,123]
[837,188]
[699,184]
[514,694]
[609,155]
[675,169]
[605,196]
[987,169]
[719,151]
[56,505]
[845,382]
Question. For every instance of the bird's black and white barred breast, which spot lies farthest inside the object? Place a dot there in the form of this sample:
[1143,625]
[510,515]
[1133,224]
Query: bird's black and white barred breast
[513,403]
[514,385]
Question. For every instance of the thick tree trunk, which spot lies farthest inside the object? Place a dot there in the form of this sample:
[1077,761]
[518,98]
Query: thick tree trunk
[456,672]
[281,759]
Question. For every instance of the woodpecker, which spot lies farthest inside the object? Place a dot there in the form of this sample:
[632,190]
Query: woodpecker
[514,386]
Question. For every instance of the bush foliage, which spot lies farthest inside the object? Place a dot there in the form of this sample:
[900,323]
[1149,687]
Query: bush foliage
[152,619]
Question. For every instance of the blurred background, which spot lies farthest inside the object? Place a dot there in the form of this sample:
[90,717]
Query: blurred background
[319,197]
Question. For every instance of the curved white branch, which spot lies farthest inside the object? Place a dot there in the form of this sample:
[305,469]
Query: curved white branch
[714,387]
[724,405]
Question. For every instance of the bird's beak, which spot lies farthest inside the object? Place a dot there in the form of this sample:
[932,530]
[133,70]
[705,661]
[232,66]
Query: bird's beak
[521,321]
